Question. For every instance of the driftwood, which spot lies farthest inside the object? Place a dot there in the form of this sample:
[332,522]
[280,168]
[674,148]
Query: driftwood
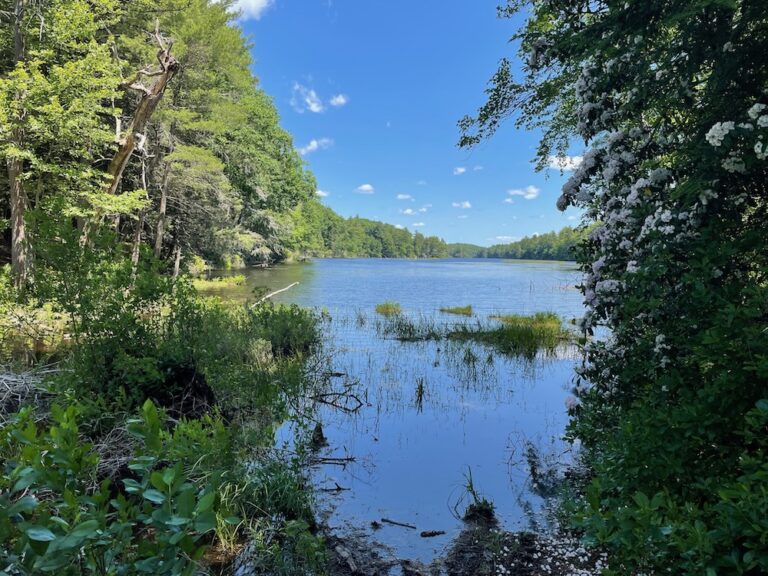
[276,292]
[395,523]
[336,489]
[344,401]
[432,533]
[331,460]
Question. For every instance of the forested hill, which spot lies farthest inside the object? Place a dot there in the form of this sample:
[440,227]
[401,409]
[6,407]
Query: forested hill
[549,246]
[320,232]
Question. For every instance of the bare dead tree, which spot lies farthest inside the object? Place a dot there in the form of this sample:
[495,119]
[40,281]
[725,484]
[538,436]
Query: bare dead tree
[151,95]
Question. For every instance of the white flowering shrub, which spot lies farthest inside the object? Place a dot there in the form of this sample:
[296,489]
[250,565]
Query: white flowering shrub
[670,99]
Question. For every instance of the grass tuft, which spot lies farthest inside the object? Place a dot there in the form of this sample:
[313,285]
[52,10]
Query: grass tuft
[459,310]
[202,284]
[518,335]
[389,309]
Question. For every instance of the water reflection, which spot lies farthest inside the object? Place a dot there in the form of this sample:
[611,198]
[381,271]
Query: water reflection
[434,409]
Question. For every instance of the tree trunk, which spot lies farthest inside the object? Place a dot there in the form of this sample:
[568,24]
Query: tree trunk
[177,261]
[18,198]
[18,227]
[136,249]
[134,135]
[160,231]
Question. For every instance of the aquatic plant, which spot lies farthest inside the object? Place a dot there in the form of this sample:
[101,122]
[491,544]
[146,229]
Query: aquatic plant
[221,282]
[388,309]
[419,395]
[517,335]
[407,329]
[480,509]
[458,310]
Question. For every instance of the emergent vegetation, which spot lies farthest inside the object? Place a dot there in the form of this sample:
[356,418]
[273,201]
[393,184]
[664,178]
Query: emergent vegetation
[458,310]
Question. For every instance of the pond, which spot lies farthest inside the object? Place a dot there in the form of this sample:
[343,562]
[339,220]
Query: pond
[435,413]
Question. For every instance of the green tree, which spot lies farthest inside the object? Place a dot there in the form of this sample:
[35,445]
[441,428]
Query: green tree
[670,98]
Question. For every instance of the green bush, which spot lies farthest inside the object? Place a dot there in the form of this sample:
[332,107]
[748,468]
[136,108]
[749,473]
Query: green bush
[55,516]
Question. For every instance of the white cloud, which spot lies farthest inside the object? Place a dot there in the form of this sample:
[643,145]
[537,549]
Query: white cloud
[565,163]
[418,224]
[529,192]
[252,8]
[506,238]
[339,100]
[572,217]
[322,193]
[303,99]
[405,197]
[459,170]
[462,216]
[465,205]
[399,226]
[424,209]
[478,168]
[421,183]
[315,145]
[508,201]
[408,212]
[365,189]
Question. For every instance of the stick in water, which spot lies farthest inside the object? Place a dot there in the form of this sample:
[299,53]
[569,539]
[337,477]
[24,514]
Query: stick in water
[394,523]
[275,293]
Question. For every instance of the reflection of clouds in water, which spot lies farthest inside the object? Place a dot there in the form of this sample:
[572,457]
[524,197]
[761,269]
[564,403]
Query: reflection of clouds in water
[472,399]
[411,458]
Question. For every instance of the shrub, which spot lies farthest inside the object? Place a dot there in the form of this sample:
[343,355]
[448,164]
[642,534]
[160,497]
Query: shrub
[56,517]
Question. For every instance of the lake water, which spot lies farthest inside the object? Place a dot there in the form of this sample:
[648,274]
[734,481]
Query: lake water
[433,411]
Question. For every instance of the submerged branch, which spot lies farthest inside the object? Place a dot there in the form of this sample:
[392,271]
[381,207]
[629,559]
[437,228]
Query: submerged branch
[276,292]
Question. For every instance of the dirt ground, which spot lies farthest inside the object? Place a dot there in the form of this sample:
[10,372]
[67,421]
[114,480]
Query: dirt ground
[479,550]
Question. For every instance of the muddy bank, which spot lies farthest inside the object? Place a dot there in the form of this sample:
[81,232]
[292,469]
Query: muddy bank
[481,549]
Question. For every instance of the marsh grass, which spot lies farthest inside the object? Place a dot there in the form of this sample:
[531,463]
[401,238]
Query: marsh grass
[222,282]
[517,335]
[407,329]
[458,310]
[389,309]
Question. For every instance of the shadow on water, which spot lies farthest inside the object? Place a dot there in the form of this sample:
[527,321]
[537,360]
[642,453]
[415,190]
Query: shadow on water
[432,408]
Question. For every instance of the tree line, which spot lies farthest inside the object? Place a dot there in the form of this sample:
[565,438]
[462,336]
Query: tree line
[320,232]
[548,246]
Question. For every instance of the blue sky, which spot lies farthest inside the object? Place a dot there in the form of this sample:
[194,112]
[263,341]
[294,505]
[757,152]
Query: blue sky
[371,91]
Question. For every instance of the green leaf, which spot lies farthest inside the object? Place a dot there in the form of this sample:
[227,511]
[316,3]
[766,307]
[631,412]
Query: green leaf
[156,479]
[206,502]
[131,486]
[205,522]
[22,505]
[85,529]
[154,496]
[40,534]
[169,475]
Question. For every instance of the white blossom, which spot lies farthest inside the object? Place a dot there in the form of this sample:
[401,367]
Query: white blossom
[756,110]
[718,132]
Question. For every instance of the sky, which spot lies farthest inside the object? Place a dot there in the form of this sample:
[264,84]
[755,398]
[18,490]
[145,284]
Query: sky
[371,91]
